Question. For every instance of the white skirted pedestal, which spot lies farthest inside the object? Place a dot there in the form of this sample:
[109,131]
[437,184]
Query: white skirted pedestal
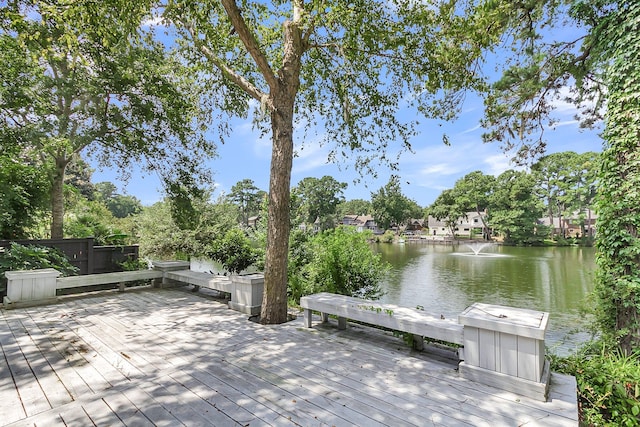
[504,347]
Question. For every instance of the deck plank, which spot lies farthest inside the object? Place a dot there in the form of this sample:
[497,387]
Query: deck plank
[173,357]
[41,361]
[32,396]
[8,389]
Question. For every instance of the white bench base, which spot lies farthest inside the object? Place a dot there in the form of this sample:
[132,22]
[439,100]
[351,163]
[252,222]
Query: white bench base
[538,390]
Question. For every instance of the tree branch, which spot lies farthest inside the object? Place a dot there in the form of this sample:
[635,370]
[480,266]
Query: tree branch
[239,80]
[250,42]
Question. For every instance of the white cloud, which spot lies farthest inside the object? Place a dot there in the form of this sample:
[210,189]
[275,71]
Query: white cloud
[440,169]
[497,164]
[310,155]
[565,123]
[473,129]
[154,21]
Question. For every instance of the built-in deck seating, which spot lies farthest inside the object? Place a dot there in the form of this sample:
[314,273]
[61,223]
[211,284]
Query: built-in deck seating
[500,346]
[121,278]
[404,319]
[26,288]
[201,280]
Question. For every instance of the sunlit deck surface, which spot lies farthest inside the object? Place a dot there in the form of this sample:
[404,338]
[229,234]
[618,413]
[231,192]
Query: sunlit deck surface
[172,357]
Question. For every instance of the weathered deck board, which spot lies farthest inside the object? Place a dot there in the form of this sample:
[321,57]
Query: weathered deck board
[172,357]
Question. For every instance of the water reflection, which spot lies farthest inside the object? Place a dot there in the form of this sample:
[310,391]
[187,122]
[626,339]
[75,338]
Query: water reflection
[443,280]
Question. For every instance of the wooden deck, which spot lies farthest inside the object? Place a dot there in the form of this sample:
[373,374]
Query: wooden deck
[171,357]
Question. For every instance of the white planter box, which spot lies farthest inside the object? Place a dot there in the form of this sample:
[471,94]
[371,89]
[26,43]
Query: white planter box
[26,287]
[246,296]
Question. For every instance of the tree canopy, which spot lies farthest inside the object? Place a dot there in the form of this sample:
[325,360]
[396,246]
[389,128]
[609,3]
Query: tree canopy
[317,200]
[85,77]
[247,197]
[391,207]
[594,68]
[24,191]
[354,65]
[515,209]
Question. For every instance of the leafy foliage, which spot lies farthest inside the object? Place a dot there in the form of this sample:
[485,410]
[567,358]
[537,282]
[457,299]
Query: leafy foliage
[354,207]
[473,192]
[300,255]
[608,384]
[86,218]
[234,251]
[24,196]
[391,207]
[317,200]
[447,208]
[515,208]
[161,238]
[121,206]
[248,198]
[340,261]
[618,239]
[85,77]
[567,182]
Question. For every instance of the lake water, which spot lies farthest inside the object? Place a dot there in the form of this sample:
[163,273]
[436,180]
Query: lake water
[445,279]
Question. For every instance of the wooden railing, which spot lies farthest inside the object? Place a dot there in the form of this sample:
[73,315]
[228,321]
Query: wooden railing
[83,255]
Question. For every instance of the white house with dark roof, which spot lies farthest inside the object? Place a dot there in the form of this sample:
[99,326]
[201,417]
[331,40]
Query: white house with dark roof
[361,223]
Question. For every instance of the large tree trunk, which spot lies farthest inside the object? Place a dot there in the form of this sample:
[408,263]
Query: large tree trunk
[57,199]
[274,301]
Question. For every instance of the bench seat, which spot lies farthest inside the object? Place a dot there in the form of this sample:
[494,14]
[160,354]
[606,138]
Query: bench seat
[202,280]
[107,278]
[404,319]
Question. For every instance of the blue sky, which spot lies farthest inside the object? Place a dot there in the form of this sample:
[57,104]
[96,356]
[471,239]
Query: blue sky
[432,167]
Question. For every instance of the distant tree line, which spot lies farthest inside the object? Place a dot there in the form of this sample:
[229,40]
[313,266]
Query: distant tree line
[558,186]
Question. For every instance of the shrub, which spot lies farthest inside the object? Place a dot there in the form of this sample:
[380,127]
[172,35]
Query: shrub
[233,251]
[608,384]
[342,262]
[300,256]
[387,237]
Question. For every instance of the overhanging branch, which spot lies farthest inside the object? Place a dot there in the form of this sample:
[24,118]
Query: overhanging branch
[250,42]
[239,80]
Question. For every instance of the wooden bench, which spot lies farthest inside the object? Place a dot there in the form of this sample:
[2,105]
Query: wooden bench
[107,278]
[201,280]
[410,320]
[34,287]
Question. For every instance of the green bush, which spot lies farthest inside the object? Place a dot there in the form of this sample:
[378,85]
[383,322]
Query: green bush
[342,262]
[32,257]
[608,384]
[300,255]
[233,251]
[387,237]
